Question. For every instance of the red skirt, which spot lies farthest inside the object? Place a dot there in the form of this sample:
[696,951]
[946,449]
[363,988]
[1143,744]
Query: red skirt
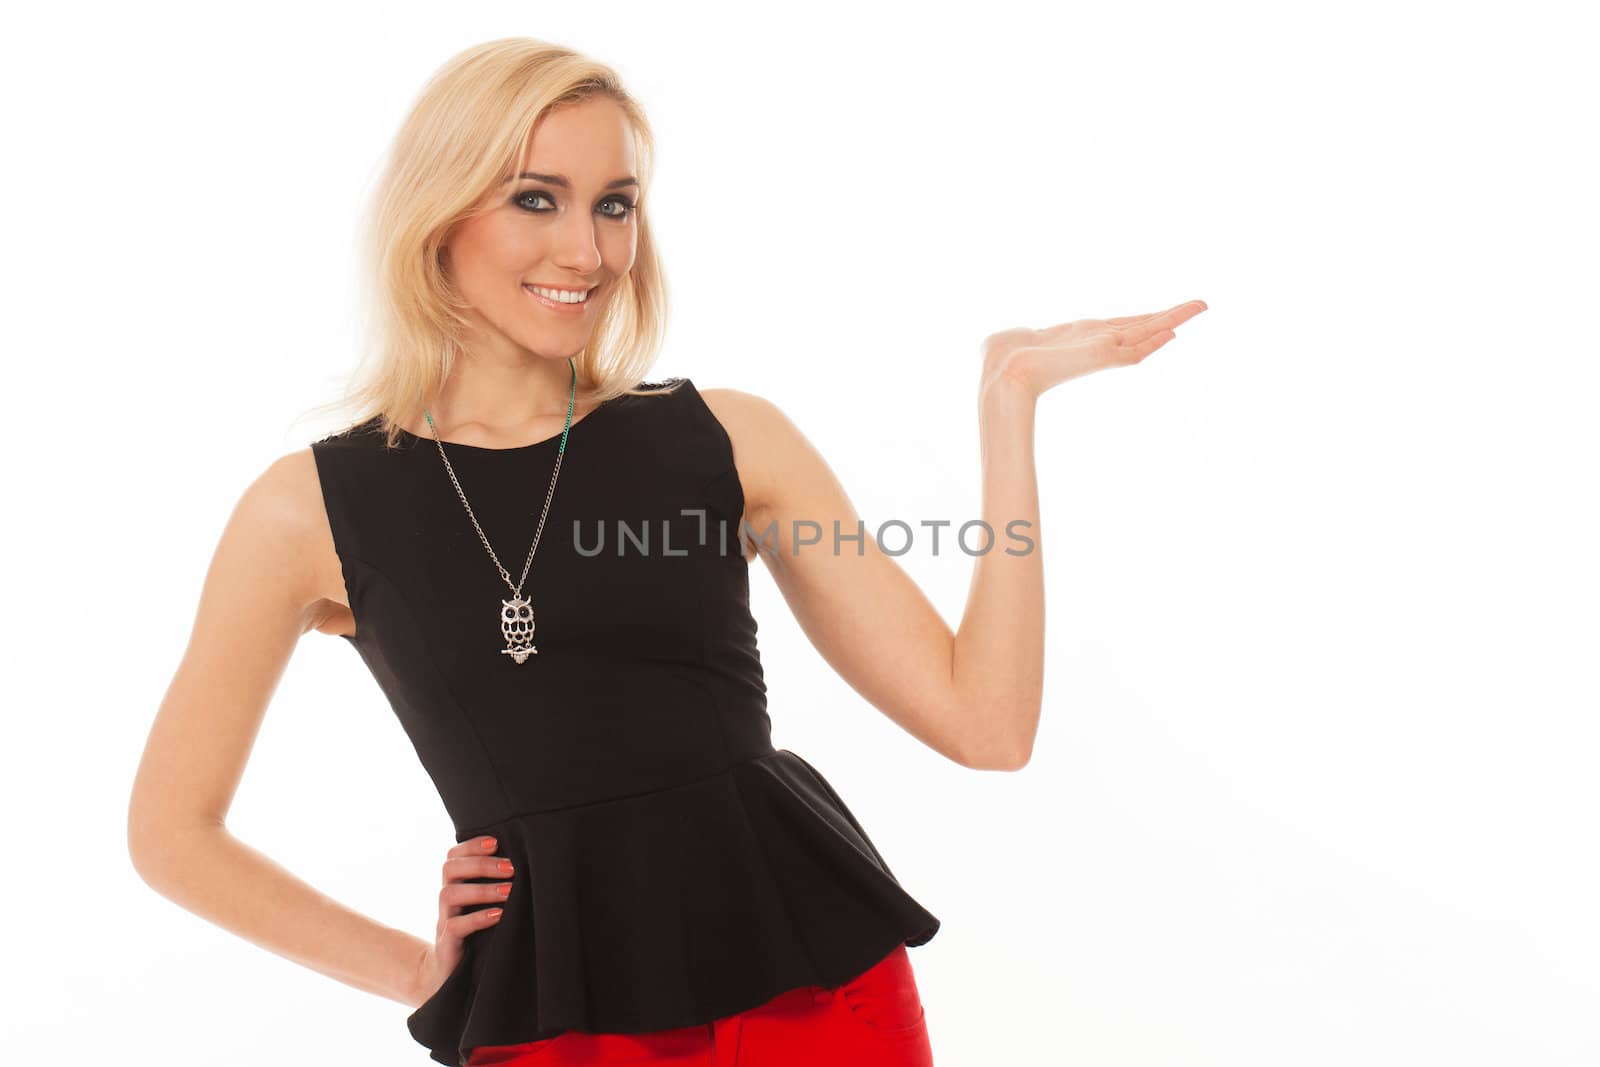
[873,1020]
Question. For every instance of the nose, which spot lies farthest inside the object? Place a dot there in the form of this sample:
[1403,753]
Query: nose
[575,247]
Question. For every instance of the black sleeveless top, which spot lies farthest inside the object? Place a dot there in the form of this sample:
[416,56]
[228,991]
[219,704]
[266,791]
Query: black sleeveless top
[672,867]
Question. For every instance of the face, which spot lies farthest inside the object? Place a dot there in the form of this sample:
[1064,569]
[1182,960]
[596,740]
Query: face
[571,229]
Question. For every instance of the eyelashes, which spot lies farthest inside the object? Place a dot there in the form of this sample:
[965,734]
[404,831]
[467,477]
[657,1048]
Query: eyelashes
[628,206]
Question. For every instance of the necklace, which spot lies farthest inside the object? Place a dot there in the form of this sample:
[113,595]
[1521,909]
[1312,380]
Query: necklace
[516,614]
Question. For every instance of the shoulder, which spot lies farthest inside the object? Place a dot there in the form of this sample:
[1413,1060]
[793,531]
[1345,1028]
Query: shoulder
[283,507]
[286,497]
[768,447]
[280,523]
[276,541]
[738,410]
[755,422]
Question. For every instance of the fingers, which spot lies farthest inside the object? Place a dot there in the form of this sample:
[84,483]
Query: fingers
[1133,353]
[481,845]
[1184,313]
[1165,322]
[469,856]
[454,898]
[473,859]
[460,867]
[462,925]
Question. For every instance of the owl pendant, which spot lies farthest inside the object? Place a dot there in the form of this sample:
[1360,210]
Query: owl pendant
[516,623]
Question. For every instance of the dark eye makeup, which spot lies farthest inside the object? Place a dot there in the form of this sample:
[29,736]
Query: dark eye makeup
[520,200]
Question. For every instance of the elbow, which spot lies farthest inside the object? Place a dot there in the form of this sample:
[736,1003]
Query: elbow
[162,826]
[997,754]
[144,844]
[159,847]
[997,734]
[1014,759]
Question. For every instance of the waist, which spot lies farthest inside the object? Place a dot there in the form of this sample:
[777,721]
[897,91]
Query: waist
[597,792]
[562,746]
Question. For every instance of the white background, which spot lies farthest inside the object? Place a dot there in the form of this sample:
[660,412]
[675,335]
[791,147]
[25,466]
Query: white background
[1315,782]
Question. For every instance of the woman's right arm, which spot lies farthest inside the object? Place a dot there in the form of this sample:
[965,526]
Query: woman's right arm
[268,583]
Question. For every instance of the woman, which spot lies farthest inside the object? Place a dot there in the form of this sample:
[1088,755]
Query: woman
[639,876]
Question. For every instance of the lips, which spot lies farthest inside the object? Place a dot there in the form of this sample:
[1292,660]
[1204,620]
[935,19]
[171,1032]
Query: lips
[561,288]
[559,305]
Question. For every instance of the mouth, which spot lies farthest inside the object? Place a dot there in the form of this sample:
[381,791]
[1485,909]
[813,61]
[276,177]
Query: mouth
[567,300]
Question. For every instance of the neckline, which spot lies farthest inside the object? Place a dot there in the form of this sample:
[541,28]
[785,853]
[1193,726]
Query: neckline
[456,446]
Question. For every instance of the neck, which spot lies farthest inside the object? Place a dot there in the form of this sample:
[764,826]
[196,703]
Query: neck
[501,400]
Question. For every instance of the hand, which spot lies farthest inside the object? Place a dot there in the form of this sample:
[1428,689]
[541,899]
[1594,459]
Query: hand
[470,859]
[1037,360]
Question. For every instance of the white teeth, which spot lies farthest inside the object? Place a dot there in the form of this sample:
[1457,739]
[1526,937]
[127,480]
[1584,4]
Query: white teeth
[559,296]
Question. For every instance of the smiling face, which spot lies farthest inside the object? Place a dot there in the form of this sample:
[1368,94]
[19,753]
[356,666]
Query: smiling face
[565,221]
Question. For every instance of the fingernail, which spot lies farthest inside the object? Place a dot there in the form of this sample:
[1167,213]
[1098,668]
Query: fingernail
[488,844]
[505,866]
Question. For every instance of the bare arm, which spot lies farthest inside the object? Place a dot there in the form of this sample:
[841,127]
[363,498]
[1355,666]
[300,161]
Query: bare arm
[999,649]
[975,694]
[969,696]
[997,657]
[273,556]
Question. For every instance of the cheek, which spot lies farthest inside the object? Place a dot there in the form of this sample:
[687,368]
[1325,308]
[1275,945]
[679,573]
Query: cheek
[618,251]
[493,245]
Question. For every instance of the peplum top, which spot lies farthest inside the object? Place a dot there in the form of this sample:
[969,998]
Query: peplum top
[672,867]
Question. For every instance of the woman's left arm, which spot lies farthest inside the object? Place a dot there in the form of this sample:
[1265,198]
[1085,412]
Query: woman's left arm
[974,694]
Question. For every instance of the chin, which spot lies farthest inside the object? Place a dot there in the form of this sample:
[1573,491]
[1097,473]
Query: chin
[561,351]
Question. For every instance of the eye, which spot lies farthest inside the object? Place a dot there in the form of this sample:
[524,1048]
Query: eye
[627,206]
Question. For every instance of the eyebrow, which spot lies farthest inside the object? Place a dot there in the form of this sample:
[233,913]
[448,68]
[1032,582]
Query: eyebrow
[559,180]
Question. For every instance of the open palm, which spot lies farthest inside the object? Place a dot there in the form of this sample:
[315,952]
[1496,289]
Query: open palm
[1042,359]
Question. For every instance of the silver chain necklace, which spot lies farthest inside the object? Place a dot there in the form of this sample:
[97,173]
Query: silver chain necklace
[516,614]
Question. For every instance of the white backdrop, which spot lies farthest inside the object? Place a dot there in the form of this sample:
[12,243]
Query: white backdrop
[1315,780]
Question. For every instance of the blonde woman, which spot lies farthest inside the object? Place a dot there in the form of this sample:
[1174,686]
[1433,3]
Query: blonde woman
[638,875]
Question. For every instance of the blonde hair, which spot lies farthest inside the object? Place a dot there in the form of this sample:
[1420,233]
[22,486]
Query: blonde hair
[466,131]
